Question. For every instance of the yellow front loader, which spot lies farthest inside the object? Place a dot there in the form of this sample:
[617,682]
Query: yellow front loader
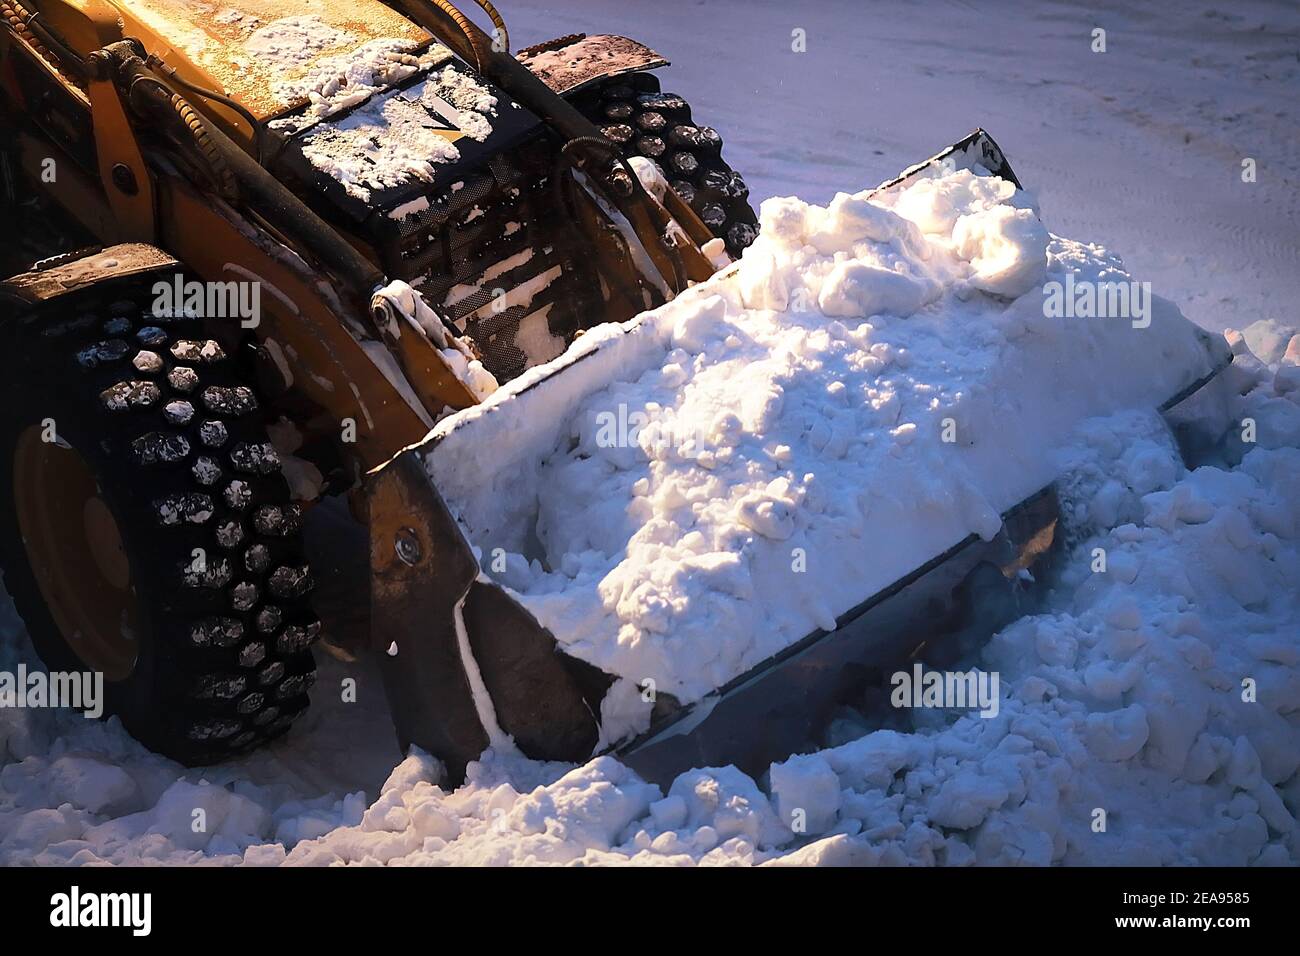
[258,251]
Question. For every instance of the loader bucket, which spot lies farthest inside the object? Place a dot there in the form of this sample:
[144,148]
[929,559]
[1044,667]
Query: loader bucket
[468,664]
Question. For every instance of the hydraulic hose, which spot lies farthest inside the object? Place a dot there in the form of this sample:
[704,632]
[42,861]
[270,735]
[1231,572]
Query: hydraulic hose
[17,18]
[498,22]
[262,191]
[49,47]
[477,42]
[196,130]
[259,138]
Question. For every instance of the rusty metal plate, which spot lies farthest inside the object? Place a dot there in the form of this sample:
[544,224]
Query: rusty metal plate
[64,274]
[587,59]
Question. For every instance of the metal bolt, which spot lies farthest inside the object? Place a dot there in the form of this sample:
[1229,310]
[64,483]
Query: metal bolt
[620,181]
[124,179]
[407,546]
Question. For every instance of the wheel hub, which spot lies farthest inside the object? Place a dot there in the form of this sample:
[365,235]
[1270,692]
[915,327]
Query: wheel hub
[75,551]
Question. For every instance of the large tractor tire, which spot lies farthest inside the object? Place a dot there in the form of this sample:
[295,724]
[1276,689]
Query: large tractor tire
[146,532]
[658,126]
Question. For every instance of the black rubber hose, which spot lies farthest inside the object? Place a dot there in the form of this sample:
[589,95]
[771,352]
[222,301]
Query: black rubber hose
[254,126]
[52,41]
[471,34]
[497,21]
[46,44]
[195,130]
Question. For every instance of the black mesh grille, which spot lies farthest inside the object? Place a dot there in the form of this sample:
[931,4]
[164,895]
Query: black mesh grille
[467,234]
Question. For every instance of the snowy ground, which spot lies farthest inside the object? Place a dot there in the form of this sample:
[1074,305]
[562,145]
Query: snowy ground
[1124,695]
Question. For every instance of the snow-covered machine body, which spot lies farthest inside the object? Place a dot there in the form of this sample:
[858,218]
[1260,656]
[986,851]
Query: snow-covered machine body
[406,263]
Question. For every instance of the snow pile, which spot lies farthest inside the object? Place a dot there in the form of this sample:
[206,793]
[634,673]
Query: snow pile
[76,791]
[292,42]
[332,68]
[1163,691]
[1211,578]
[464,101]
[1151,718]
[337,83]
[396,137]
[875,382]
[1127,697]
[600,813]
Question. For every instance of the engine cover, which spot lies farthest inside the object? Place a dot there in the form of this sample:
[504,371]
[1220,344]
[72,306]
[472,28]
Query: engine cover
[448,179]
[398,152]
[256,51]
